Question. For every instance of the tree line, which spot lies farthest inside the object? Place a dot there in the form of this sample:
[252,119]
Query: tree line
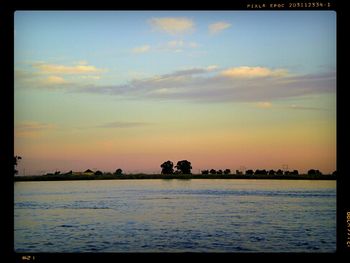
[185,167]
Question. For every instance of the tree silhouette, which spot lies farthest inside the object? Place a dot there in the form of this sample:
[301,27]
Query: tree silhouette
[249,172]
[205,171]
[261,172]
[314,172]
[279,172]
[118,171]
[15,162]
[98,173]
[295,172]
[212,171]
[227,171]
[184,167]
[219,171]
[311,172]
[167,167]
[272,172]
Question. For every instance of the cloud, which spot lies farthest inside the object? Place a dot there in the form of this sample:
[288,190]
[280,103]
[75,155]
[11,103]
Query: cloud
[181,74]
[212,67]
[82,62]
[54,80]
[62,69]
[268,105]
[208,84]
[264,105]
[253,72]
[177,46]
[193,45]
[56,76]
[141,49]
[170,46]
[122,124]
[172,25]
[32,128]
[218,27]
[90,77]
[298,107]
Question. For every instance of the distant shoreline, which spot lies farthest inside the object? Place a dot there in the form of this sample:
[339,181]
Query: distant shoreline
[73,177]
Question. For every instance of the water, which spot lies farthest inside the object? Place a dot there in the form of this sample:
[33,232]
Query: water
[175,216]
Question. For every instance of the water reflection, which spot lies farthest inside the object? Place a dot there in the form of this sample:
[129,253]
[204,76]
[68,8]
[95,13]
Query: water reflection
[175,216]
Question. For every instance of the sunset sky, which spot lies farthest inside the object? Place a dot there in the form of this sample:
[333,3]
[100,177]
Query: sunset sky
[130,90]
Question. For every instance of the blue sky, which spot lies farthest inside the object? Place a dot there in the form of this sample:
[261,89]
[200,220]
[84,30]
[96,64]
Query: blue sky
[296,40]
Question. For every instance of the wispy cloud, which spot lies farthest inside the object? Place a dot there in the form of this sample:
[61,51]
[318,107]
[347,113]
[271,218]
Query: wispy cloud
[90,77]
[54,80]
[264,105]
[253,72]
[218,27]
[32,128]
[82,62]
[177,46]
[56,76]
[63,69]
[269,105]
[208,84]
[141,49]
[170,46]
[299,107]
[172,25]
[123,124]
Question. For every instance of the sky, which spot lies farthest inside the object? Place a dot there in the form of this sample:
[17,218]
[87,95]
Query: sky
[241,90]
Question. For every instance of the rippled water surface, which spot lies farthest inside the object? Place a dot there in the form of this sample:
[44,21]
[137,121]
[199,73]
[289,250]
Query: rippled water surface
[175,216]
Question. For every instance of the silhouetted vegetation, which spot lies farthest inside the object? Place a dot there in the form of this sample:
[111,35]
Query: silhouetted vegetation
[98,173]
[295,172]
[110,176]
[183,171]
[227,171]
[249,172]
[167,167]
[15,163]
[218,172]
[261,172]
[279,172]
[118,171]
[314,172]
[184,167]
